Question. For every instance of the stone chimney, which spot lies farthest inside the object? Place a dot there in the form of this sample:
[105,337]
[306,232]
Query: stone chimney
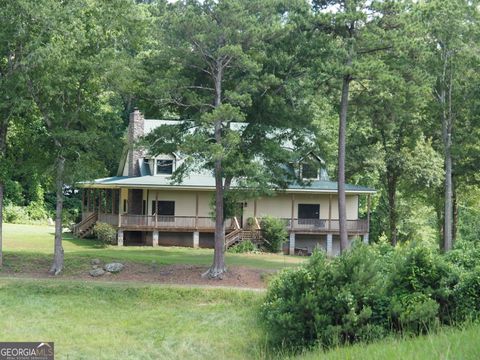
[135,132]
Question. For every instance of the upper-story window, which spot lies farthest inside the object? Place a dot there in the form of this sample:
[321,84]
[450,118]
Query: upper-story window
[309,171]
[164,167]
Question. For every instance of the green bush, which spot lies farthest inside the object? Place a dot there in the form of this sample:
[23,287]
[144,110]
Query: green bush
[274,234]
[467,295]
[243,247]
[105,233]
[15,214]
[36,211]
[368,293]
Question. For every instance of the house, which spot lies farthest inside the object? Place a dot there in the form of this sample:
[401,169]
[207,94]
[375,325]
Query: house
[147,209]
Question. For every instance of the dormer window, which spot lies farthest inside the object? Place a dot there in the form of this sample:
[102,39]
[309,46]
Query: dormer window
[164,167]
[309,171]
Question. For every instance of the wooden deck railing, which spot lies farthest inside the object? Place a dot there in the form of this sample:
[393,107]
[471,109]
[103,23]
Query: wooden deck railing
[325,225]
[179,223]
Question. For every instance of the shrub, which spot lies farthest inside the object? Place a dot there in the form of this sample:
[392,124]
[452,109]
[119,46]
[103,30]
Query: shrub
[243,247]
[105,233]
[274,234]
[36,211]
[367,293]
[15,214]
[467,295]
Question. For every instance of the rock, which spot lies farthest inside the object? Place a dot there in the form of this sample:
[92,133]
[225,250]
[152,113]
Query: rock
[97,272]
[95,262]
[114,267]
[95,266]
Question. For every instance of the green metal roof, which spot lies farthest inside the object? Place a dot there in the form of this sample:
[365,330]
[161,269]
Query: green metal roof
[204,182]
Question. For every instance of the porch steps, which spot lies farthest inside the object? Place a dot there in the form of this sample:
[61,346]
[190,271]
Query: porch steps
[85,227]
[239,235]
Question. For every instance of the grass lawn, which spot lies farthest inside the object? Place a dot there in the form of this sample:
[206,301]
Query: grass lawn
[126,321]
[24,244]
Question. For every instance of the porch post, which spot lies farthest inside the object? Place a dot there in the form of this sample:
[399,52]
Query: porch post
[292,216]
[329,244]
[155,238]
[119,207]
[292,244]
[196,216]
[112,197]
[330,212]
[368,212]
[365,238]
[156,207]
[120,237]
[88,200]
[196,239]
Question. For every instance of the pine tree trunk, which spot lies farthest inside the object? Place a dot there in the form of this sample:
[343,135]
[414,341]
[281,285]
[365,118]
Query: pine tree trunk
[58,258]
[447,140]
[342,211]
[218,267]
[3,150]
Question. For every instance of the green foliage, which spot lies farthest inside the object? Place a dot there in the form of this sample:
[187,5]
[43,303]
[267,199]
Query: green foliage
[105,233]
[368,293]
[243,247]
[15,214]
[274,233]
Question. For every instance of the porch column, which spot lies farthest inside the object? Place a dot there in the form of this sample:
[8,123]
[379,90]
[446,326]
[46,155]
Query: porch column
[120,237]
[329,245]
[330,212]
[292,244]
[292,216]
[196,239]
[365,238]
[155,238]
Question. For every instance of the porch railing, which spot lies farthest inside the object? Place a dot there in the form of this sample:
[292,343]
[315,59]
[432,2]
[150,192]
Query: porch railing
[169,222]
[321,225]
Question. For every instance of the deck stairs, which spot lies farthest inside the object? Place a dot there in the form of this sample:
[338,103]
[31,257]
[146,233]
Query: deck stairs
[85,227]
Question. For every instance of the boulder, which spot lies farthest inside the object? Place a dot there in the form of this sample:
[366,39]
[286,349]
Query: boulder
[95,262]
[97,272]
[114,267]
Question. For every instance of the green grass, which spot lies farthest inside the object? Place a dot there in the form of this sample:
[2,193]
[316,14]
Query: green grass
[26,245]
[112,320]
[127,321]
[118,321]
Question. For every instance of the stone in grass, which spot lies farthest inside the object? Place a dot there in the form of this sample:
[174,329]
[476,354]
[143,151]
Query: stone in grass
[114,267]
[97,272]
[95,262]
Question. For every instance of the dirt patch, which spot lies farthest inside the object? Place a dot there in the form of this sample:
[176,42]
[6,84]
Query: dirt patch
[236,276]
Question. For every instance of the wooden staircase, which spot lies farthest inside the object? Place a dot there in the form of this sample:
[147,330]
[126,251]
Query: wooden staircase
[239,235]
[85,227]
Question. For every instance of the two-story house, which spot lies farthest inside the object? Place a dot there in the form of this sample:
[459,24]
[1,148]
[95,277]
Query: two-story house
[147,209]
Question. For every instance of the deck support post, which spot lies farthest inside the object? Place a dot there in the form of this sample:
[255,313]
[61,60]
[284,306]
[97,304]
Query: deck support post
[292,244]
[329,244]
[365,238]
[196,239]
[155,238]
[120,237]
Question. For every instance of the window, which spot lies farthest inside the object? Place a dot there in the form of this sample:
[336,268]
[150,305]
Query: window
[308,211]
[309,215]
[124,205]
[164,167]
[309,171]
[144,207]
[166,208]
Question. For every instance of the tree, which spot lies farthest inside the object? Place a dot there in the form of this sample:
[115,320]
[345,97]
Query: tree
[67,71]
[452,34]
[15,32]
[220,73]
[359,31]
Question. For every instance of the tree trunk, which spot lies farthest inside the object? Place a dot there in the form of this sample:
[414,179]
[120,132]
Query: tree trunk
[218,267]
[455,213]
[3,150]
[392,207]
[58,258]
[342,130]
[447,141]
